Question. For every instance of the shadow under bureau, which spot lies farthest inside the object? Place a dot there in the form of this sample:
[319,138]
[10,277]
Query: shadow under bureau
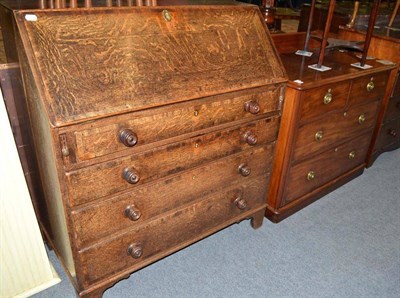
[153,127]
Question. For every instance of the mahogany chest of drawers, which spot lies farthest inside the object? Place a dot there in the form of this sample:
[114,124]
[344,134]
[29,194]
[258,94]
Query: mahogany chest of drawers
[154,127]
[328,121]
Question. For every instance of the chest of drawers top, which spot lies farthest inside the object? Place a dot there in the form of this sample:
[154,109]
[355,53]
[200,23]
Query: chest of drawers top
[95,63]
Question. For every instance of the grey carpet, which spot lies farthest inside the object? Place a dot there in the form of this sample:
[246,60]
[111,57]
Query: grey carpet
[347,244]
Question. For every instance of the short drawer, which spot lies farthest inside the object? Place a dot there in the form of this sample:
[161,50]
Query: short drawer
[333,129]
[128,172]
[322,168]
[368,88]
[133,130]
[135,208]
[172,231]
[389,134]
[319,101]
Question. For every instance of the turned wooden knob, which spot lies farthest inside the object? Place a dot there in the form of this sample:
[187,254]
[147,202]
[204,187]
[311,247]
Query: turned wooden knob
[250,138]
[128,137]
[244,170]
[393,132]
[252,107]
[131,176]
[132,212]
[135,251]
[241,203]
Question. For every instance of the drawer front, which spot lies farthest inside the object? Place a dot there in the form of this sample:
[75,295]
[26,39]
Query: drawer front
[108,178]
[368,88]
[323,134]
[318,102]
[136,207]
[131,131]
[311,174]
[173,231]
[393,109]
[389,134]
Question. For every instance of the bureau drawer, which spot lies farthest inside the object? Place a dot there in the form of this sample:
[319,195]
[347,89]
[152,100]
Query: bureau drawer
[315,172]
[393,109]
[172,231]
[389,134]
[318,102]
[134,208]
[111,177]
[335,128]
[368,88]
[131,131]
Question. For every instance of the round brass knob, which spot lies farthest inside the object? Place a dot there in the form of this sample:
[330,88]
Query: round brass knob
[132,212]
[128,137]
[131,175]
[244,170]
[393,133]
[252,107]
[250,138]
[370,86]
[352,155]
[241,203]
[135,251]
[361,119]
[310,175]
[328,97]
[318,136]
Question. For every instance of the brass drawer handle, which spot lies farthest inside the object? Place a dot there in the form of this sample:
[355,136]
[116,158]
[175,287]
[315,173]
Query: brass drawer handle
[244,170]
[361,119]
[128,137]
[319,135]
[370,86]
[131,176]
[328,97]
[393,133]
[132,212]
[252,107]
[240,203]
[166,15]
[135,251]
[352,155]
[250,138]
[310,175]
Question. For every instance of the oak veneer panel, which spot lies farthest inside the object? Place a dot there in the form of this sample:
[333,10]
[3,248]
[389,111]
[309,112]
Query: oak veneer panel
[138,60]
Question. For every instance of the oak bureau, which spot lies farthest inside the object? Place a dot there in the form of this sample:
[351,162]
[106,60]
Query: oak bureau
[154,126]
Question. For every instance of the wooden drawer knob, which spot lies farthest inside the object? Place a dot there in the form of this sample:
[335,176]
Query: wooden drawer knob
[393,132]
[244,170]
[352,155]
[319,135]
[370,86]
[361,119]
[250,138]
[328,97]
[135,251]
[241,203]
[252,107]
[132,212]
[310,175]
[131,176]
[128,137]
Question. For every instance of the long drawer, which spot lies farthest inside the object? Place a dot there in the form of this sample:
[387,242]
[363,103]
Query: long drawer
[173,231]
[136,207]
[320,135]
[127,133]
[126,173]
[315,172]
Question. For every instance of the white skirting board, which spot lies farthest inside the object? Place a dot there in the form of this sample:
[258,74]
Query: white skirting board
[25,268]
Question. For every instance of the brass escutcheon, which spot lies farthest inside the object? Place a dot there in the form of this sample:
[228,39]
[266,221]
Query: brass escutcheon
[318,136]
[361,119]
[352,155]
[370,86]
[310,175]
[328,97]
[167,16]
